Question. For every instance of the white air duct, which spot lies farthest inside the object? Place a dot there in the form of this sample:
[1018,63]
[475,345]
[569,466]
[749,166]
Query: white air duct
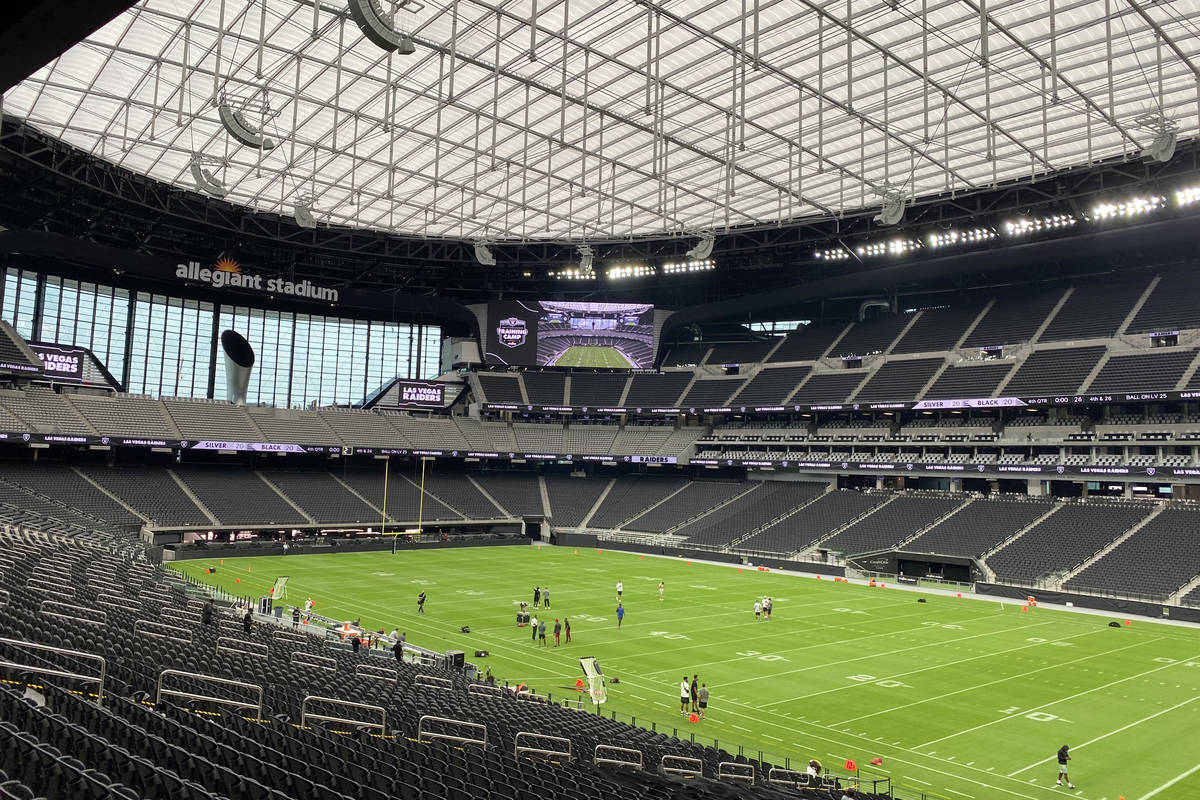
[239,363]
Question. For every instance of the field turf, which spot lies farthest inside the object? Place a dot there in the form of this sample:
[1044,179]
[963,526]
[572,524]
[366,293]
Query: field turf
[599,357]
[961,698]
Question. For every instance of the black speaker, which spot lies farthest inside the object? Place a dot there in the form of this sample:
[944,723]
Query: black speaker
[1114,624]
[465,629]
[482,654]
[921,600]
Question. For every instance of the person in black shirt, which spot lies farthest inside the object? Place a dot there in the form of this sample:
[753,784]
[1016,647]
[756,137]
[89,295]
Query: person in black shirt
[537,596]
[246,620]
[355,643]
[696,693]
[421,603]
[1063,758]
[207,613]
[295,618]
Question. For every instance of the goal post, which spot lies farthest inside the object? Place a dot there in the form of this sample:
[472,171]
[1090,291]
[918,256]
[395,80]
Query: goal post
[595,680]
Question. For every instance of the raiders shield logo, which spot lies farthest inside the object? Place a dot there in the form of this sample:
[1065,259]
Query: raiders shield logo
[512,331]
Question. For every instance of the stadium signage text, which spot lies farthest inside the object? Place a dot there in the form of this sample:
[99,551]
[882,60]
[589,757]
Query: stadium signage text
[230,276]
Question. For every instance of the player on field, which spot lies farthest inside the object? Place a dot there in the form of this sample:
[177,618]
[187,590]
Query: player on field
[421,603]
[620,614]
[684,695]
[757,610]
[661,588]
[546,597]
[620,588]
[695,693]
[703,699]
[537,596]
[1063,758]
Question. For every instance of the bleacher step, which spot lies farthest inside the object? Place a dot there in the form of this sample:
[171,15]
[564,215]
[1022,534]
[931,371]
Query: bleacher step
[734,544]
[989,572]
[285,498]
[904,542]
[1161,507]
[503,511]
[1137,307]
[715,508]
[110,495]
[1177,598]
[591,511]
[352,491]
[1062,301]
[816,545]
[648,509]
[192,496]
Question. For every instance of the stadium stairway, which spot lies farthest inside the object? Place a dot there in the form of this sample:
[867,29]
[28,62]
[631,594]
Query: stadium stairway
[817,544]
[759,529]
[901,544]
[989,573]
[183,487]
[1160,508]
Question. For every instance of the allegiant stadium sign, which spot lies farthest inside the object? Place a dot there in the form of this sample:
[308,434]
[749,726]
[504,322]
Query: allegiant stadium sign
[228,275]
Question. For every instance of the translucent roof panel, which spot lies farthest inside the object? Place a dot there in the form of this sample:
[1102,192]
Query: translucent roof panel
[565,119]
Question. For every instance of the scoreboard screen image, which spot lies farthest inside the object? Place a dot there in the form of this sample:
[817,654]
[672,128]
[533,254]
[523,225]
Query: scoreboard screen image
[602,335]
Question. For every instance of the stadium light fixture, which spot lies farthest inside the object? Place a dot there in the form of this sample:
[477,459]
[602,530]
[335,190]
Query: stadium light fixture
[1133,207]
[379,26]
[953,237]
[1187,196]
[678,267]
[630,271]
[484,255]
[1162,146]
[703,248]
[832,254]
[1024,225]
[895,247]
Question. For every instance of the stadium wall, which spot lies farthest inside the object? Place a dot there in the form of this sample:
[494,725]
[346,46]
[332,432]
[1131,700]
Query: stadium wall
[190,552]
[1116,605]
[591,540]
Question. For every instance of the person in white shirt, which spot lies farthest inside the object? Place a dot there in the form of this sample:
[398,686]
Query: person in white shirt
[757,609]
[661,587]
[620,588]
[534,624]
[814,768]
[685,696]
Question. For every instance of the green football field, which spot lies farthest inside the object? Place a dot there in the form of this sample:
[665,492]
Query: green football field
[961,698]
[600,357]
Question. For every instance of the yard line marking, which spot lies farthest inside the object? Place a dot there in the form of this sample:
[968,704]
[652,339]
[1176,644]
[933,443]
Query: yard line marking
[769,736]
[998,680]
[1111,733]
[964,794]
[918,780]
[1169,783]
[740,728]
[1064,699]
[925,645]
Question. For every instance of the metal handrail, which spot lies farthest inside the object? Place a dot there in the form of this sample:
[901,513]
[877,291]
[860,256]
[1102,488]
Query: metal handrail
[230,645]
[98,679]
[780,775]
[160,692]
[536,738]
[113,601]
[681,765]
[484,688]
[423,734]
[735,771]
[87,615]
[306,715]
[148,627]
[42,585]
[616,756]
[376,673]
[300,658]
[280,633]
[433,681]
